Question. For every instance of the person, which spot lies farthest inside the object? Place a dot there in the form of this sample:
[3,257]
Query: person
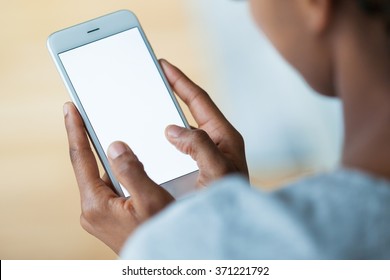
[342,49]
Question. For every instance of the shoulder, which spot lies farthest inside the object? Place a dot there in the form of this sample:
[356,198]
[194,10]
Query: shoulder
[218,223]
[231,220]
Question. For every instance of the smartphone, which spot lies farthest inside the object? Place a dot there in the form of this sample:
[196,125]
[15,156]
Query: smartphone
[119,88]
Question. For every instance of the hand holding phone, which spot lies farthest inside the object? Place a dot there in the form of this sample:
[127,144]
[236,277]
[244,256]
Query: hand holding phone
[105,215]
[118,87]
[216,146]
[111,218]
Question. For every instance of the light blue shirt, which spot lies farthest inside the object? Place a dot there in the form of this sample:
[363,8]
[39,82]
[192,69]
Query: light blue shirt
[340,215]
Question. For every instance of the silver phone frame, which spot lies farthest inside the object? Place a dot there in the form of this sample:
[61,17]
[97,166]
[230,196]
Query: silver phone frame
[82,34]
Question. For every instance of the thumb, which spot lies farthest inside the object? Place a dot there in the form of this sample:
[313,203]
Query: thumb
[129,171]
[197,144]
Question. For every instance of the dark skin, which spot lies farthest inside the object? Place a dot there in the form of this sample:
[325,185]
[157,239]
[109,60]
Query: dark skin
[215,145]
[339,51]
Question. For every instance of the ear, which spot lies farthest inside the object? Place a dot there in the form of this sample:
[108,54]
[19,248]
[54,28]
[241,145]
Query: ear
[317,14]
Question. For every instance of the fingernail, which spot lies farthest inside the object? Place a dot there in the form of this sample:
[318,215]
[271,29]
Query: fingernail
[116,149]
[65,108]
[165,63]
[173,131]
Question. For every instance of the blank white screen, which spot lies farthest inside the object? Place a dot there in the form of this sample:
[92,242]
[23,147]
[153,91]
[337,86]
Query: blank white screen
[125,99]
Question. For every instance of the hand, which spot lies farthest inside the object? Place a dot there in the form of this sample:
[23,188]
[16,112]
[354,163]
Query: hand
[216,146]
[104,214]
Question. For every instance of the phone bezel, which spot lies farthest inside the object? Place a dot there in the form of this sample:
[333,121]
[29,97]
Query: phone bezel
[79,35]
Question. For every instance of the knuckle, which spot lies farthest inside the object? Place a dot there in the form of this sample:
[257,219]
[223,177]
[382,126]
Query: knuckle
[200,136]
[73,154]
[235,138]
[92,211]
[196,139]
[76,154]
[90,226]
[128,165]
[240,139]
[89,215]
[234,133]
[84,223]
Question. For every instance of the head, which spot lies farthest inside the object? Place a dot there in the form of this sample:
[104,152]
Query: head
[312,34]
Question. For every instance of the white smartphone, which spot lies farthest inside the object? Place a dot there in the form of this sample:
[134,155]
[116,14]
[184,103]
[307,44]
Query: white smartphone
[116,83]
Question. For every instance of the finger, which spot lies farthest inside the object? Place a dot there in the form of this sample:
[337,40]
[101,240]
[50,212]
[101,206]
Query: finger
[198,145]
[130,172]
[198,101]
[83,160]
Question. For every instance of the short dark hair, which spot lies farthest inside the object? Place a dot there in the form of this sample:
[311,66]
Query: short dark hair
[377,8]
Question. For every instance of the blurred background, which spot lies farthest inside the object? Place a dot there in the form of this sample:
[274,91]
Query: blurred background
[290,132]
